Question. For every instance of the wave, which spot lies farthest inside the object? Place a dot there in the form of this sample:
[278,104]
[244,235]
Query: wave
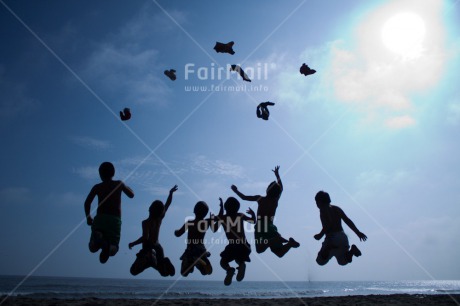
[167,295]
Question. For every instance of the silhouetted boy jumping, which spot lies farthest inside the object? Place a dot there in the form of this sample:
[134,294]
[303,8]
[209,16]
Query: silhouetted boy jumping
[336,242]
[106,225]
[265,232]
[152,254]
[195,254]
[238,248]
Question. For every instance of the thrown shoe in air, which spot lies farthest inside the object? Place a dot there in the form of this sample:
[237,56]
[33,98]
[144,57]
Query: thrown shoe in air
[224,48]
[305,70]
[125,114]
[241,72]
[171,73]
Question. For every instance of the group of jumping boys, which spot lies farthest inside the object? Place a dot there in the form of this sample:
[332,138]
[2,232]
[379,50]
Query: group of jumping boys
[106,228]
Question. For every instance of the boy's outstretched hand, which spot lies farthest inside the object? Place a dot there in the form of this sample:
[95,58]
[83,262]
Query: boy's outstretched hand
[362,237]
[174,189]
[318,236]
[276,170]
[253,215]
[234,188]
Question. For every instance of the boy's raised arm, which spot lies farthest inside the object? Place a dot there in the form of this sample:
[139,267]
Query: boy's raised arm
[221,208]
[252,217]
[215,224]
[170,196]
[244,197]
[278,178]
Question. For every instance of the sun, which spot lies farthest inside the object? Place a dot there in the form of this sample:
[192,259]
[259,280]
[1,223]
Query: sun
[403,34]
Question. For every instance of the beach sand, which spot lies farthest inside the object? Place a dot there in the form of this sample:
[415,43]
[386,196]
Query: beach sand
[396,299]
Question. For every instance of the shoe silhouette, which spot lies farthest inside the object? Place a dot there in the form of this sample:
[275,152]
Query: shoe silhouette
[125,114]
[241,72]
[171,73]
[305,70]
[224,48]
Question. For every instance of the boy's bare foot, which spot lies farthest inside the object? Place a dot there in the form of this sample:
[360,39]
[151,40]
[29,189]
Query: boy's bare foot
[293,243]
[95,242]
[355,251]
[228,278]
[241,270]
[104,256]
[203,266]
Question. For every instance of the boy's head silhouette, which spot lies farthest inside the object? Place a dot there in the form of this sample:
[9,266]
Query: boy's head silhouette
[156,209]
[106,171]
[322,199]
[232,205]
[201,210]
[274,189]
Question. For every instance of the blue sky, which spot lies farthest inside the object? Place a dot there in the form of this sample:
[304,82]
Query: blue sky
[377,127]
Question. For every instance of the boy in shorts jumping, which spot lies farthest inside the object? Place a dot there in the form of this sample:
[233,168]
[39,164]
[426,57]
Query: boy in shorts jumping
[152,254]
[106,225]
[238,248]
[336,242]
[266,233]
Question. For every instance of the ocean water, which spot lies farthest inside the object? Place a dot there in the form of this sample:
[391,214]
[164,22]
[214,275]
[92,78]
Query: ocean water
[77,288]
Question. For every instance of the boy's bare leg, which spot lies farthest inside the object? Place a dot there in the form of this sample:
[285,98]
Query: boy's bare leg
[281,251]
[105,253]
[263,244]
[204,266]
[186,267]
[139,265]
[224,264]
[95,242]
[261,247]
[241,270]
[230,272]
[353,251]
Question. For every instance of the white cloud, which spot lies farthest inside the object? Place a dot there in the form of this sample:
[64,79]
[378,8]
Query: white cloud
[87,173]
[152,174]
[380,179]
[453,112]
[15,195]
[380,82]
[400,122]
[91,143]
[129,73]
[203,164]
[288,86]
[65,199]
[127,65]
[360,70]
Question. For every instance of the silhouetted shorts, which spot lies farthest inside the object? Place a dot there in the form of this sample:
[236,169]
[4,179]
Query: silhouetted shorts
[192,256]
[238,252]
[264,232]
[159,253]
[338,246]
[195,252]
[109,226]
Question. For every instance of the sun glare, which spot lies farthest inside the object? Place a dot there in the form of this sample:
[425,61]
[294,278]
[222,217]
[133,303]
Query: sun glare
[403,34]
